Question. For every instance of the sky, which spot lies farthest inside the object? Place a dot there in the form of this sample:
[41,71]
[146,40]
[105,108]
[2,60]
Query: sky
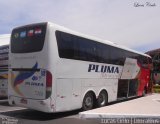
[131,23]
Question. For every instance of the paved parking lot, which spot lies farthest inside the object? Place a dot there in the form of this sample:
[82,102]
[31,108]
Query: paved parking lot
[18,115]
[148,106]
[142,107]
[5,107]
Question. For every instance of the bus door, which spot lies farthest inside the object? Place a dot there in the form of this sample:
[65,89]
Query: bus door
[128,83]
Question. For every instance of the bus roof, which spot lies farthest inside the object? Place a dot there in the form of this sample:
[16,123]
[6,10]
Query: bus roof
[91,37]
[4,39]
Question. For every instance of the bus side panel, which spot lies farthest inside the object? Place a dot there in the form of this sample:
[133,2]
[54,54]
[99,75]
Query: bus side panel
[68,95]
[97,85]
[63,95]
[112,89]
[76,93]
[70,92]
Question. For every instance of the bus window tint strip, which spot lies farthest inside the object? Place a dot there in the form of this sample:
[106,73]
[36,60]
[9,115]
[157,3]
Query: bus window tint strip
[78,48]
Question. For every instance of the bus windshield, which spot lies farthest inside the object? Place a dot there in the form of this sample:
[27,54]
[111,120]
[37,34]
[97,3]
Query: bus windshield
[28,38]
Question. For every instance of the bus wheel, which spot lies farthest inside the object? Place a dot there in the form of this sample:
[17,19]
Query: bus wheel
[102,99]
[88,101]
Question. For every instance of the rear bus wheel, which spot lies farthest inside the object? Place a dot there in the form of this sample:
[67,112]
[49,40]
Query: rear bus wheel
[88,101]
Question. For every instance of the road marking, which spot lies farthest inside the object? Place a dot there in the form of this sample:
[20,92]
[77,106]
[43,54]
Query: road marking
[11,109]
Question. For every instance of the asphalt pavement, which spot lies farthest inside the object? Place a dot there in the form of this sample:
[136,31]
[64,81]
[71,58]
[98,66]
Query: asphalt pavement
[18,115]
[142,107]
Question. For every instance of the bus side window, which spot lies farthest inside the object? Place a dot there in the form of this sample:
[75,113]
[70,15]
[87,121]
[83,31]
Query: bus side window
[117,56]
[103,53]
[83,55]
[66,46]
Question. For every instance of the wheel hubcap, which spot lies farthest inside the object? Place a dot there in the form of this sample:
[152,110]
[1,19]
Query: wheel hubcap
[88,102]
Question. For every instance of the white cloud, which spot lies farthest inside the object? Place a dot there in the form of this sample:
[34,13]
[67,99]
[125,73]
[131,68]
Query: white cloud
[114,20]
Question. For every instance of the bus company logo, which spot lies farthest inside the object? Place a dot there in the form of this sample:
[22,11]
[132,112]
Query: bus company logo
[103,68]
[23,76]
[34,83]
[34,78]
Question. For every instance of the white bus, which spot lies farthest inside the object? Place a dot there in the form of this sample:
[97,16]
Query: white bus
[4,49]
[54,69]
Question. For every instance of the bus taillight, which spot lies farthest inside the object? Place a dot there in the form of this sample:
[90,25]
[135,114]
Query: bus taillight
[48,84]
[49,79]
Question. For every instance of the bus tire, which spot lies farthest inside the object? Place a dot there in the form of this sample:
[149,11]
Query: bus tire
[102,99]
[88,101]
